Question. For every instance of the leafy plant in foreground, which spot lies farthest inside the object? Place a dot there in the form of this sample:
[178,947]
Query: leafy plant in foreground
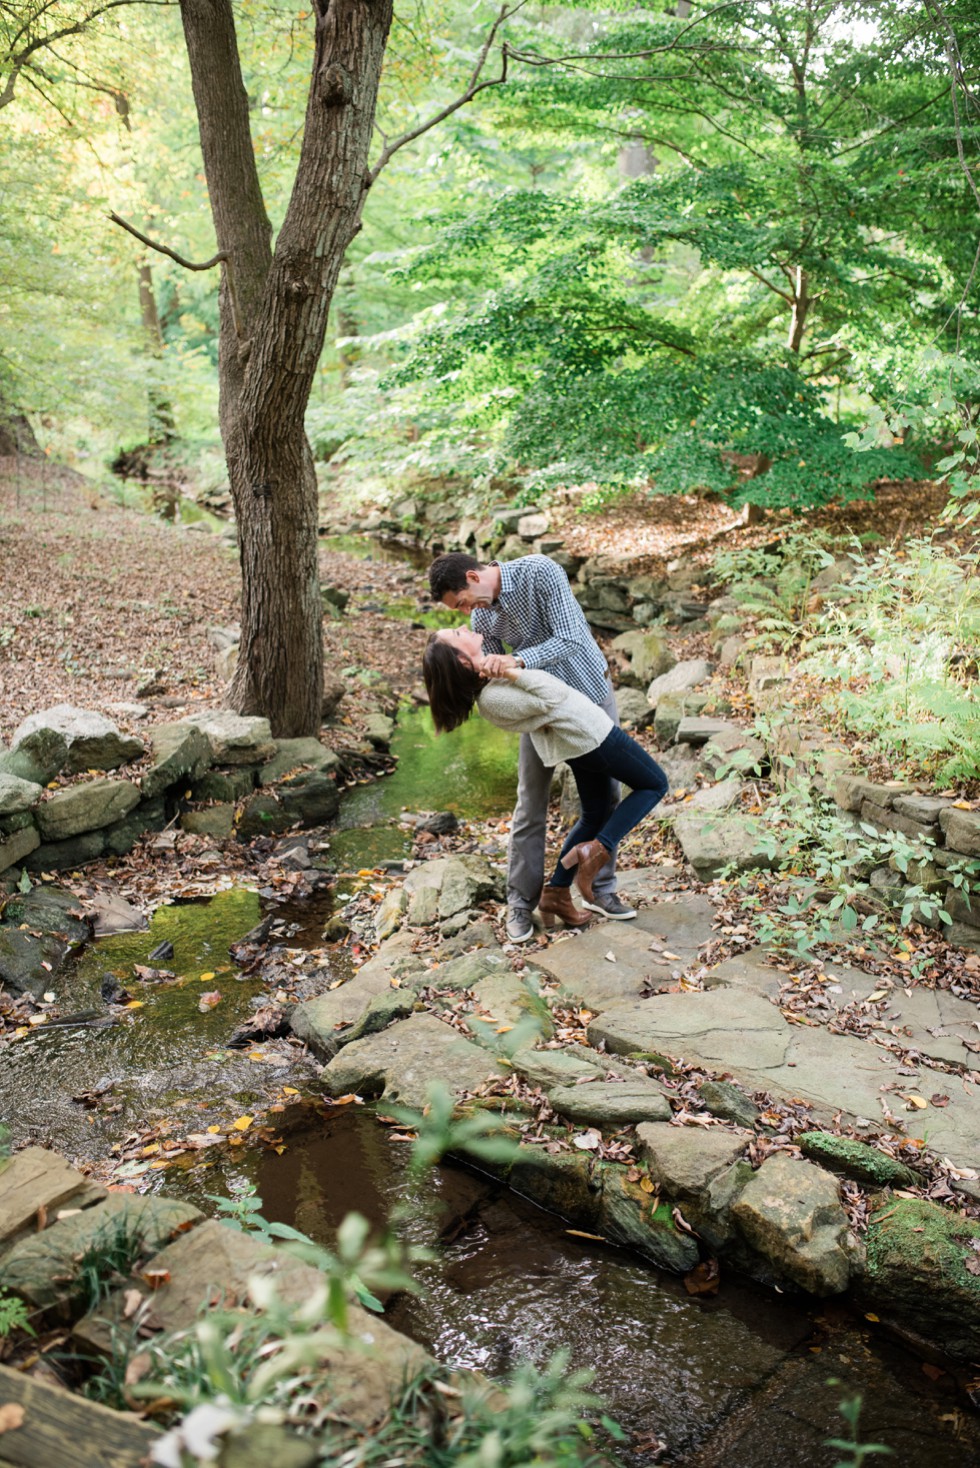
[856,1451]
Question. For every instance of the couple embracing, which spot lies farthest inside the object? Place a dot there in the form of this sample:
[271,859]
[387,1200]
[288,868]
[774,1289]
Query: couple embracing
[554,690]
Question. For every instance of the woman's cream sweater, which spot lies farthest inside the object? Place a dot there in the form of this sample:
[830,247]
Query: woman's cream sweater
[561,721]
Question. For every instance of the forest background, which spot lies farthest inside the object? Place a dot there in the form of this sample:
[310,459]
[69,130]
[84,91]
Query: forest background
[728,249]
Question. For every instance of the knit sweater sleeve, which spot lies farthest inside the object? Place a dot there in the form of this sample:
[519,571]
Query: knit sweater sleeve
[524,703]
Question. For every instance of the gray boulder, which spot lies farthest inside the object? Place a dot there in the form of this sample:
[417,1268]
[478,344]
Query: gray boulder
[713,842]
[180,752]
[679,679]
[406,1060]
[234,739]
[634,710]
[649,656]
[17,795]
[38,758]
[790,1212]
[93,741]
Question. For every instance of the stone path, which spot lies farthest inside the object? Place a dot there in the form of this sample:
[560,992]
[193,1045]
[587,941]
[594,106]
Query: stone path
[734,1025]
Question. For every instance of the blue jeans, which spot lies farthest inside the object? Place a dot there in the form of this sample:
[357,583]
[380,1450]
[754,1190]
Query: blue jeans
[618,758]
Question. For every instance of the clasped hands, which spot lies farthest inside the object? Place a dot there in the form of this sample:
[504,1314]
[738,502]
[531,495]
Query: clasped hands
[496,665]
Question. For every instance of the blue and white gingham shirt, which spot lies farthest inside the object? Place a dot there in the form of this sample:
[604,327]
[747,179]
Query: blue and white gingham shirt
[537,615]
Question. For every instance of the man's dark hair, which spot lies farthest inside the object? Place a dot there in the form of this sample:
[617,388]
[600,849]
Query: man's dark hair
[448,573]
[452,685]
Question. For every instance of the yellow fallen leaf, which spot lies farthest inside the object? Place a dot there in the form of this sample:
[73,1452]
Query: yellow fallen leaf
[289,1091]
[135,1004]
[579,1233]
[919,1102]
[504,1029]
[647,1185]
[215,1129]
[159,1164]
[667,954]
[153,1147]
[206,978]
[870,1315]
[242,1123]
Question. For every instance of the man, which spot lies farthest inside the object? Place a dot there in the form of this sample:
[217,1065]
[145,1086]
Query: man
[528,605]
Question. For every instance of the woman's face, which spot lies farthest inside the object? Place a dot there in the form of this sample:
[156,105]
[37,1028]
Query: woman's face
[468,644]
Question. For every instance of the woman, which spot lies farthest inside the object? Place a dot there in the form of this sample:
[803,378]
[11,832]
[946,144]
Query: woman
[563,725]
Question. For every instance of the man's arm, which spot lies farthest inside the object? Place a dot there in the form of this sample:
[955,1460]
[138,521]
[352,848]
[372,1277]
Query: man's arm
[560,612]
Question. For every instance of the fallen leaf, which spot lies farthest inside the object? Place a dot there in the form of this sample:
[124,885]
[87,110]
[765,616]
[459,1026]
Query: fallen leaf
[155,1278]
[206,978]
[610,957]
[919,1102]
[209,1000]
[648,1185]
[588,1141]
[242,1123]
[11,1416]
[580,1233]
[132,1300]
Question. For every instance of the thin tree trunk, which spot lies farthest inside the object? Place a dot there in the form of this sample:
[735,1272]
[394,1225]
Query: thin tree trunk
[16,433]
[273,326]
[801,305]
[162,424]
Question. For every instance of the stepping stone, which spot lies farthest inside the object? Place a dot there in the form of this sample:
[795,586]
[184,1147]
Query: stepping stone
[34,1185]
[403,1063]
[43,1268]
[698,731]
[212,1266]
[739,1033]
[611,1103]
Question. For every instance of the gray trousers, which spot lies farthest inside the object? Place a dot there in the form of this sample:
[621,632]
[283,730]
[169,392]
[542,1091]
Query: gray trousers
[526,853]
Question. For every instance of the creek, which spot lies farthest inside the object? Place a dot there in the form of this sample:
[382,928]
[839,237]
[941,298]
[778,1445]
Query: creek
[740,1378]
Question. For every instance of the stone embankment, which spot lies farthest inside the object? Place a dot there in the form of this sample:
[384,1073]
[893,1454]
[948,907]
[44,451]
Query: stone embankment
[610,1138]
[58,1230]
[217,773]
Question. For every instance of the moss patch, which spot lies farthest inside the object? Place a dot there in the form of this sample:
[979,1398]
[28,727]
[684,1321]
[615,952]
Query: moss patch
[856,1160]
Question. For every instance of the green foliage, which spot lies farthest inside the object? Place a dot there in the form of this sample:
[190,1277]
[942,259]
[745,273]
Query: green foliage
[108,1260]
[13,1315]
[439,1131]
[853,1449]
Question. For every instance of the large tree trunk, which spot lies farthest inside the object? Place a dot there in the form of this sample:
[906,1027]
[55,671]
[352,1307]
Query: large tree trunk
[273,319]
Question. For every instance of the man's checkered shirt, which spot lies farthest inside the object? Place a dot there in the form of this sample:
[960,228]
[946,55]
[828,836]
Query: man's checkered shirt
[537,615]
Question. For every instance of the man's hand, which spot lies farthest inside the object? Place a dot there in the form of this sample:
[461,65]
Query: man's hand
[499,665]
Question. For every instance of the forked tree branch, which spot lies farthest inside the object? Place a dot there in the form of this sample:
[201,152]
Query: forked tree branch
[475,86]
[220,259]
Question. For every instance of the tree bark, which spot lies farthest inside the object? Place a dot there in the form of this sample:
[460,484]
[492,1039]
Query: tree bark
[161,425]
[801,305]
[273,319]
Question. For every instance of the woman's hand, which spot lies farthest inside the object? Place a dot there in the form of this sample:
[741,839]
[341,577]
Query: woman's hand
[498,665]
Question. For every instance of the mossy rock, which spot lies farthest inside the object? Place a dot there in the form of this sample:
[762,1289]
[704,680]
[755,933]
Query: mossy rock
[920,1261]
[857,1160]
[640,1221]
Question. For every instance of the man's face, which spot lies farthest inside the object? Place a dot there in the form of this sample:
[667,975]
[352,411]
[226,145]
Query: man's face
[478,592]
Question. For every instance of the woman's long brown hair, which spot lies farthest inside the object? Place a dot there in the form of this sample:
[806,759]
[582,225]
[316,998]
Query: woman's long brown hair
[452,685]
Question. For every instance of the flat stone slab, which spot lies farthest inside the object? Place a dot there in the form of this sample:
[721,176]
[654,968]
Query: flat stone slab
[86,807]
[42,1268]
[323,1021]
[582,967]
[611,1103]
[403,1062]
[713,841]
[736,1032]
[34,1185]
[790,1211]
[558,1067]
[235,739]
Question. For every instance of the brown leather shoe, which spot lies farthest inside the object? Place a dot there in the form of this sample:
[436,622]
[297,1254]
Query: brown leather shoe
[556,902]
[588,861]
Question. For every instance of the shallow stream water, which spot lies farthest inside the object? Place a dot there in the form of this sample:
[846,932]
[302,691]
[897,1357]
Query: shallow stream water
[739,1380]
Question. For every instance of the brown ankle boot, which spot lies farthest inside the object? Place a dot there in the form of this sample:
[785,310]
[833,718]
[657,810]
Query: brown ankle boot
[556,902]
[588,861]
